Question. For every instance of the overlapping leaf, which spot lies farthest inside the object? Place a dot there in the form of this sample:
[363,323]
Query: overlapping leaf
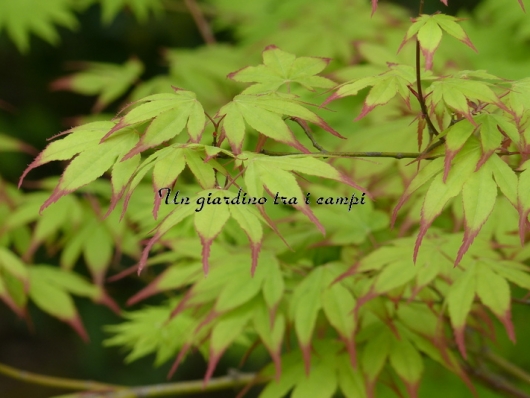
[211,210]
[168,114]
[384,87]
[478,187]
[51,288]
[93,158]
[14,280]
[428,29]
[167,164]
[265,113]
[279,68]
[456,93]
[21,18]
[275,175]
[108,81]
[487,279]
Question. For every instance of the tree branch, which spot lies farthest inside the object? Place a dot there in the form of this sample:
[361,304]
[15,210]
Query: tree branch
[494,382]
[507,366]
[58,382]
[200,21]
[92,389]
[421,98]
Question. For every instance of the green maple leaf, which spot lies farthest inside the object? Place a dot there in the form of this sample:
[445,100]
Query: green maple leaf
[428,29]
[279,68]
[108,81]
[140,8]
[385,86]
[276,175]
[22,17]
[265,113]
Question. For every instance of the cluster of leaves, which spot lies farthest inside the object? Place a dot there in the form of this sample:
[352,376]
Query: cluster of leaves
[361,300]
[22,18]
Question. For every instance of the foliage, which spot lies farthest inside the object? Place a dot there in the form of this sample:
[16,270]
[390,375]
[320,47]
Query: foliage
[372,269]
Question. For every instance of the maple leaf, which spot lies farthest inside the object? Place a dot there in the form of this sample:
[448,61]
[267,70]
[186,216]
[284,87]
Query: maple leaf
[279,68]
[22,17]
[265,114]
[385,86]
[169,113]
[109,81]
[275,174]
[428,30]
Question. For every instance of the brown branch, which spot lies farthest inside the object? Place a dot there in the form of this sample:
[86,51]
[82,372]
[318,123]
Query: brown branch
[507,366]
[308,132]
[92,389]
[494,382]
[421,99]
[200,21]
[59,382]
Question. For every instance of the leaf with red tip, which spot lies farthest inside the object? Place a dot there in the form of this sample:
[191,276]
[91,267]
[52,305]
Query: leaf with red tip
[209,221]
[273,283]
[455,139]
[169,113]
[264,114]
[449,25]
[429,36]
[78,140]
[478,195]
[292,373]
[407,363]
[518,98]
[421,178]
[304,307]
[109,81]
[249,220]
[271,334]
[459,299]
[227,329]
[439,192]
[455,92]
[279,68]
[8,144]
[523,198]
[10,263]
[494,292]
[338,303]
[174,277]
[91,164]
[280,182]
[52,297]
[350,380]
[385,87]
[98,249]
[375,354]
[374,6]
[321,382]
[505,178]
[393,275]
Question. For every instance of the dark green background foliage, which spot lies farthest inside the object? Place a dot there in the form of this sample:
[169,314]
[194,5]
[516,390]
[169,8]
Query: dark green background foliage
[33,107]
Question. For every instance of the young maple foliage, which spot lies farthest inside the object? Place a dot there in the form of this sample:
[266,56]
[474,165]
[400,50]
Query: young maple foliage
[365,304]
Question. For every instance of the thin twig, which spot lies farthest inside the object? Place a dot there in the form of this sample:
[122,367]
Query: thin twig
[396,155]
[308,132]
[507,366]
[175,389]
[92,389]
[494,382]
[58,382]
[200,21]
[421,99]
